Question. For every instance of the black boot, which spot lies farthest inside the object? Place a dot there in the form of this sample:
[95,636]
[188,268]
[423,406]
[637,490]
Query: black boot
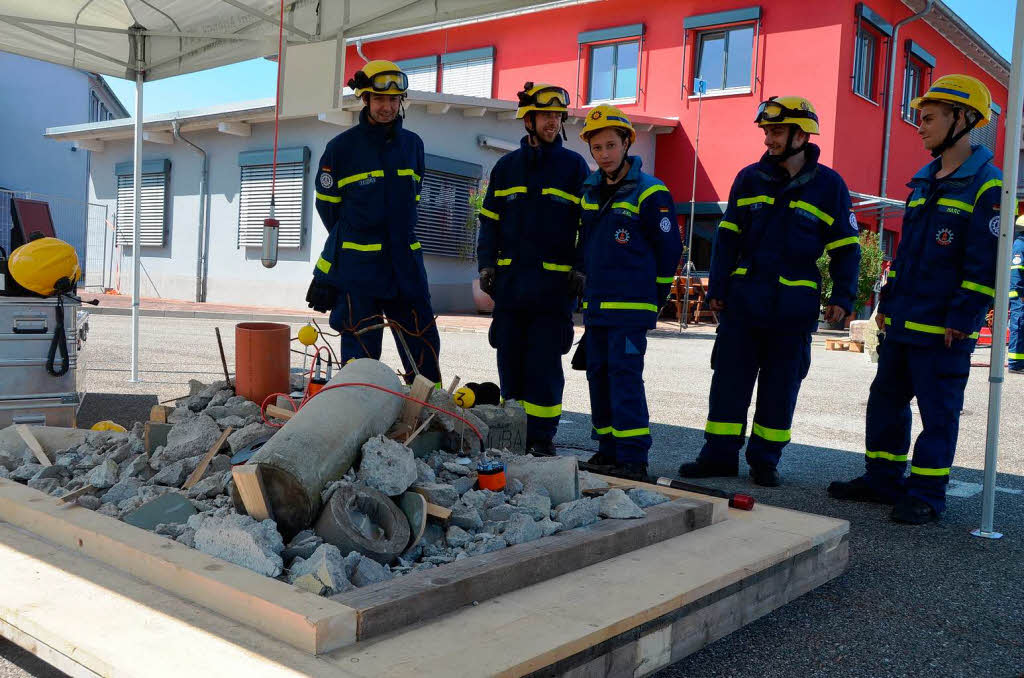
[630,472]
[913,511]
[765,476]
[858,489]
[706,469]
[541,448]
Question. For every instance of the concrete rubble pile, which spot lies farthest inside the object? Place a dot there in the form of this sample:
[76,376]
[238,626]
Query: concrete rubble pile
[542,496]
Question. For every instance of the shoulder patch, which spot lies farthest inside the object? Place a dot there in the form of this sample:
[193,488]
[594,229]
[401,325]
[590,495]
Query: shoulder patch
[993,226]
[665,224]
[853,223]
[325,180]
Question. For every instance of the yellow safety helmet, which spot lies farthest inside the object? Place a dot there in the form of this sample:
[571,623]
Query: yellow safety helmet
[960,90]
[107,425]
[45,266]
[379,77]
[788,111]
[605,116]
[1019,226]
[542,97]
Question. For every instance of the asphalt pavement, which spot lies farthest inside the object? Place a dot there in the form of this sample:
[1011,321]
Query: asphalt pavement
[930,600]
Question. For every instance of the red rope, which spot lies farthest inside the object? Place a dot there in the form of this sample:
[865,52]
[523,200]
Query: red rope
[277,106]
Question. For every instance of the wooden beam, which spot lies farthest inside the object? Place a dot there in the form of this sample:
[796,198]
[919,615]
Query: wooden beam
[421,388]
[276,412]
[90,145]
[26,434]
[165,138]
[439,512]
[71,496]
[205,461]
[249,482]
[438,109]
[474,112]
[159,413]
[340,118]
[238,129]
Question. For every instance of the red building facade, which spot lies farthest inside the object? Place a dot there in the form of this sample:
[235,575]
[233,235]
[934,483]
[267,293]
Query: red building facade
[644,57]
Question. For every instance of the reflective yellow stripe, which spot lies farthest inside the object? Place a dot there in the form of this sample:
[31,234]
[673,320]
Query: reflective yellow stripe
[372,247]
[327,198]
[852,240]
[1014,294]
[653,189]
[603,431]
[631,432]
[323,265]
[415,246]
[561,194]
[502,192]
[729,226]
[916,203]
[489,214]
[1017,268]
[743,202]
[541,410]
[888,456]
[408,173]
[776,435]
[723,428]
[417,197]
[345,181]
[798,283]
[957,204]
[985,186]
[891,273]
[921,327]
[808,207]
[740,271]
[548,266]
[918,471]
[629,207]
[628,306]
[585,304]
[888,320]
[587,205]
[504,262]
[968,285]
[1015,356]
[663,280]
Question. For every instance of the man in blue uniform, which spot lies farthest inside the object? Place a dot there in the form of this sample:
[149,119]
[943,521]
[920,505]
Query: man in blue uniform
[367,191]
[527,252]
[939,289]
[783,212]
[1016,352]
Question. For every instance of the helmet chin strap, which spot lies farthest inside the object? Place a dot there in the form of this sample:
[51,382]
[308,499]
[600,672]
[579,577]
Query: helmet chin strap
[790,151]
[952,136]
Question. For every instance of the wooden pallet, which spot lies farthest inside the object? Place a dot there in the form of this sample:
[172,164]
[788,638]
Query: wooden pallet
[844,345]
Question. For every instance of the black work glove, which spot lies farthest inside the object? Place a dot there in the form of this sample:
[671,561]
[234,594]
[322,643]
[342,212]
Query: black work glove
[487,281]
[321,296]
[577,281]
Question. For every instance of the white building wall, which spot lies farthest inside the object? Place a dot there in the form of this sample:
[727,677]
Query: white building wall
[236,275]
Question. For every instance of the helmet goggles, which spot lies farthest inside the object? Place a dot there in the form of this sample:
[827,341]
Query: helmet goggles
[772,112]
[548,97]
[382,82]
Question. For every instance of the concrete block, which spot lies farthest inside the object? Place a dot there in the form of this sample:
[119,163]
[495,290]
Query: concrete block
[387,465]
[322,573]
[191,438]
[520,529]
[241,540]
[506,426]
[616,504]
[859,329]
[368,571]
[577,513]
[558,475]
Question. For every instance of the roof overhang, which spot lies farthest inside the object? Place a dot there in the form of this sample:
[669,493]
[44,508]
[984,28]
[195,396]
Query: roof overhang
[950,26]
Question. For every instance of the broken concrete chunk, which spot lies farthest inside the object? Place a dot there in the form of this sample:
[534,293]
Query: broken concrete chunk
[387,466]
[25,472]
[424,474]
[549,527]
[520,529]
[236,406]
[323,573]
[237,423]
[172,530]
[577,513]
[88,501]
[104,475]
[368,571]
[245,436]
[475,498]
[221,397]
[615,504]
[457,537]
[179,415]
[109,510]
[241,540]
[646,498]
[589,481]
[488,545]
[466,517]
[302,546]
[556,474]
[136,467]
[121,452]
[125,489]
[47,485]
[209,487]
[189,439]
[463,485]
[538,505]
[435,493]
[187,537]
[457,469]
[173,474]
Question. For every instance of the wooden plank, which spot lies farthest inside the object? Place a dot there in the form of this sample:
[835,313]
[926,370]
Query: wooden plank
[26,434]
[275,412]
[71,496]
[249,482]
[159,413]
[426,422]
[310,623]
[421,388]
[207,458]
[856,346]
[423,595]
[439,512]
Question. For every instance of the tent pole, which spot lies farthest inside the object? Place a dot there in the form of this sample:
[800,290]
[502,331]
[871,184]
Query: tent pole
[1007,212]
[137,203]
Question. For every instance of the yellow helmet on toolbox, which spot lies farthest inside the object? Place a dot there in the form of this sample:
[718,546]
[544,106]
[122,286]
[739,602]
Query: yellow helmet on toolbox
[542,97]
[605,116]
[379,77]
[45,266]
[960,90]
[788,111]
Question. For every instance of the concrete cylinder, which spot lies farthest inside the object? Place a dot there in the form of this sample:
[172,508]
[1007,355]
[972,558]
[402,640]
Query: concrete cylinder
[323,440]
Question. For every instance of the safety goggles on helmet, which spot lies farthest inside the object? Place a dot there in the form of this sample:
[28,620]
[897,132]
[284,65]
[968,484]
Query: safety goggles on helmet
[381,82]
[772,111]
[549,97]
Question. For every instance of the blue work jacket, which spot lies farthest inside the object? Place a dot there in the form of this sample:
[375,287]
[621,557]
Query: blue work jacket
[944,272]
[367,193]
[631,249]
[775,228]
[529,226]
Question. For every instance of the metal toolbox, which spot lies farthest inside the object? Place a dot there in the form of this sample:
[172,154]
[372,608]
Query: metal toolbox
[55,410]
[27,326]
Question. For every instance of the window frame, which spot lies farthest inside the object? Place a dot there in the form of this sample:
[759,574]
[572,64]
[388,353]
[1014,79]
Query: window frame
[291,237]
[422,64]
[438,242]
[698,55]
[150,168]
[915,57]
[616,44]
[467,57]
[869,24]
[991,130]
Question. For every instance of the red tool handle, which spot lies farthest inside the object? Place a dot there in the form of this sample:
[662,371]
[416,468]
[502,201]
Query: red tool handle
[737,500]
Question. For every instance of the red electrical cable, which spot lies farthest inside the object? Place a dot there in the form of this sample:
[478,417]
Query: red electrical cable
[277,104]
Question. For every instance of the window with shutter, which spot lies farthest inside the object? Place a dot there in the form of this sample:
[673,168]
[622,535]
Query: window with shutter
[447,222]
[289,195]
[153,217]
[986,136]
[468,73]
[422,73]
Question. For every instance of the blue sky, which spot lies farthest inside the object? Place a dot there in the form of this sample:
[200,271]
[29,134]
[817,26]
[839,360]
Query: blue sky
[992,19]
